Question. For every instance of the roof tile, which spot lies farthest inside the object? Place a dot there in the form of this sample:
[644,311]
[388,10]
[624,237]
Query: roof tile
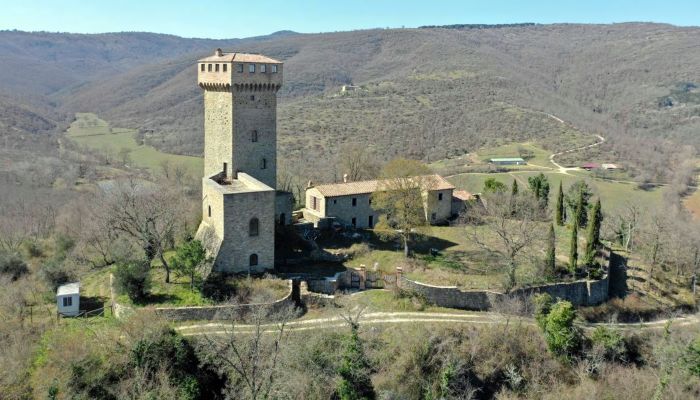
[436,182]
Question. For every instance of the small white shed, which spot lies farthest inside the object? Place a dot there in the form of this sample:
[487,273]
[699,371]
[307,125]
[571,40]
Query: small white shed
[68,299]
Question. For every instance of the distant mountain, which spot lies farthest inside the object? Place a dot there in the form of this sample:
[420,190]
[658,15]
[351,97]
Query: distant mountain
[427,93]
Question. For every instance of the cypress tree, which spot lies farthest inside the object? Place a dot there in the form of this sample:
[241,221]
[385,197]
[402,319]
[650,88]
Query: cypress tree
[593,234]
[354,371]
[550,258]
[559,209]
[579,216]
[513,195]
[573,254]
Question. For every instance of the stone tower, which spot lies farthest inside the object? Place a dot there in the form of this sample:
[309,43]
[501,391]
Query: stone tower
[240,206]
[240,114]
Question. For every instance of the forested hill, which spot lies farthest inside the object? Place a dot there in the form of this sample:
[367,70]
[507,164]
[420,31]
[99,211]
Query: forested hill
[427,93]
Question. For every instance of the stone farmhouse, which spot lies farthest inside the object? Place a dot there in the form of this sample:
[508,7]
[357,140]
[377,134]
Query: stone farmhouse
[350,203]
[240,206]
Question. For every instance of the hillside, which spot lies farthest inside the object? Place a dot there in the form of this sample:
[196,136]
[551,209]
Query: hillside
[431,93]
[41,70]
[428,93]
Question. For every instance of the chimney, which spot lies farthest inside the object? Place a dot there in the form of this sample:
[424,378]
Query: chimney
[218,52]
[345,178]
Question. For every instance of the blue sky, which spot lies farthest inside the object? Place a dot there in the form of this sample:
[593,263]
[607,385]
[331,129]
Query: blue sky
[235,18]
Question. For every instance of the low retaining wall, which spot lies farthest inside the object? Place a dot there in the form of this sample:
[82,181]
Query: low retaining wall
[579,293]
[229,311]
[211,313]
[451,296]
[352,278]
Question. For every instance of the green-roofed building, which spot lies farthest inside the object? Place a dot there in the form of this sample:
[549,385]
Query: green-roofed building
[508,161]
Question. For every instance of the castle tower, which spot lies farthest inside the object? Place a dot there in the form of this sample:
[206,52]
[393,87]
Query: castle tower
[240,114]
[240,206]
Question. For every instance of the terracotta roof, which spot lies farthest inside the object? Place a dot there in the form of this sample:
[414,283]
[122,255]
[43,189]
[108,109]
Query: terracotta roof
[462,195]
[436,182]
[241,57]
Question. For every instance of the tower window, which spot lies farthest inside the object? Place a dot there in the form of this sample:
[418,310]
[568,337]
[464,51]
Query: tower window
[354,222]
[354,201]
[440,196]
[263,68]
[274,69]
[202,68]
[252,97]
[216,67]
[209,67]
[239,68]
[251,68]
[225,67]
[209,211]
[254,227]
[253,260]
[263,163]
[254,136]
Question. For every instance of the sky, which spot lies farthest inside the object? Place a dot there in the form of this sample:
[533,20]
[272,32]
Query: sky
[236,19]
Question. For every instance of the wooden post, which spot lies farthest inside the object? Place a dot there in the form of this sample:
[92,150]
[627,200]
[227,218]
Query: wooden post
[363,276]
[399,273]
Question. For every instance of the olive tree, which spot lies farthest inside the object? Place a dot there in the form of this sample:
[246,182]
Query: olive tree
[400,199]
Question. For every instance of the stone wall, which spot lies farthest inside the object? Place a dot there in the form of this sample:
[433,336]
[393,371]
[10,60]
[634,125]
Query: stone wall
[579,293]
[352,278]
[210,313]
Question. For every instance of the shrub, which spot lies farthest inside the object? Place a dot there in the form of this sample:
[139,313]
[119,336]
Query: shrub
[54,273]
[64,244]
[12,265]
[193,377]
[612,343]
[358,250]
[33,249]
[543,304]
[133,279]
[354,371]
[562,337]
[691,358]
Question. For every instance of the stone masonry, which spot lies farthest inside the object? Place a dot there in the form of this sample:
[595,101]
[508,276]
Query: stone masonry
[240,206]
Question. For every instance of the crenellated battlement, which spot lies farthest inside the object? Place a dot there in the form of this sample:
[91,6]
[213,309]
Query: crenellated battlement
[239,70]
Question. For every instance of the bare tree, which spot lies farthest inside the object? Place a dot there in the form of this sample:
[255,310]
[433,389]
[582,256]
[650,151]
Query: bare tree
[624,224]
[358,163]
[166,167]
[400,199]
[654,237]
[249,354]
[150,216]
[514,231]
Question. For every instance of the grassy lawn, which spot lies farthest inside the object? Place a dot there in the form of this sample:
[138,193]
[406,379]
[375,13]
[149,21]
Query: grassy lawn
[540,155]
[479,160]
[613,195]
[96,133]
[461,261]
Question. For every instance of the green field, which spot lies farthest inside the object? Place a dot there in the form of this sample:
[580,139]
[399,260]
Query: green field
[613,195]
[461,261]
[538,160]
[89,130]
